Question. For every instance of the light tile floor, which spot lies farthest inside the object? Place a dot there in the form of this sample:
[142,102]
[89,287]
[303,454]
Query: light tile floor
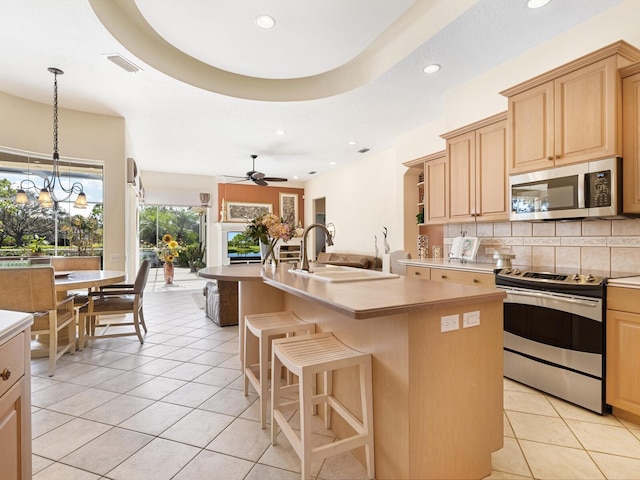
[174,408]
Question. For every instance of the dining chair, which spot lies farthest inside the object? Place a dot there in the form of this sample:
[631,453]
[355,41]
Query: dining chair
[118,299]
[69,264]
[32,290]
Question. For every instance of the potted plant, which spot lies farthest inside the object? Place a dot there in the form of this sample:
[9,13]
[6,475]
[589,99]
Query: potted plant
[36,245]
[194,254]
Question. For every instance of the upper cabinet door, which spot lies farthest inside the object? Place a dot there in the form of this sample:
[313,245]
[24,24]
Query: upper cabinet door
[586,113]
[531,128]
[492,195]
[436,191]
[631,142]
[461,151]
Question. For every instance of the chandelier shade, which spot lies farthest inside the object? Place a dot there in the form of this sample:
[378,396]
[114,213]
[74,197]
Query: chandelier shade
[50,191]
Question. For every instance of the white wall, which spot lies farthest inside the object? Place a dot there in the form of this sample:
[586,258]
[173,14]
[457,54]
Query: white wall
[363,197]
[26,126]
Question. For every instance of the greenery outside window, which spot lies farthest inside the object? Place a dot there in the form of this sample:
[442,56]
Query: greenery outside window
[79,231]
[183,224]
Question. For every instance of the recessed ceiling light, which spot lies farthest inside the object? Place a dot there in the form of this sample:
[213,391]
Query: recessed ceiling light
[351,142]
[433,68]
[295,177]
[281,132]
[265,21]
[537,3]
[332,163]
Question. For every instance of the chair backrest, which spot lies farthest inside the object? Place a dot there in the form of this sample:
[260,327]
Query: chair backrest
[141,277]
[28,289]
[75,263]
[393,260]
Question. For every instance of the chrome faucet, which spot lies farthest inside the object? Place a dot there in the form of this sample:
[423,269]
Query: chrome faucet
[304,259]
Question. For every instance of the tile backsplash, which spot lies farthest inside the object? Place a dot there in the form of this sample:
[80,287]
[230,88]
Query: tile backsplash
[589,244]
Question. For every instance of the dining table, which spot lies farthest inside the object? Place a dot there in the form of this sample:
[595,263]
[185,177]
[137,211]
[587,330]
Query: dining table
[89,279]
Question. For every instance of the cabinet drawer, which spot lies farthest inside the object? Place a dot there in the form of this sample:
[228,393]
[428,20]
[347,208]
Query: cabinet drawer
[11,360]
[465,278]
[623,299]
[419,272]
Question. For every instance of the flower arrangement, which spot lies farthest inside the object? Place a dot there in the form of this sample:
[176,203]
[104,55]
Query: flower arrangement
[268,229]
[169,249]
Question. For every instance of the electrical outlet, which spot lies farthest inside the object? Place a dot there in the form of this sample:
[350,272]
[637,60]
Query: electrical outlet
[114,257]
[449,323]
[470,319]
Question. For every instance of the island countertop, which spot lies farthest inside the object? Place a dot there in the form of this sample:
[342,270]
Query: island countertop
[418,368]
[447,264]
[362,299]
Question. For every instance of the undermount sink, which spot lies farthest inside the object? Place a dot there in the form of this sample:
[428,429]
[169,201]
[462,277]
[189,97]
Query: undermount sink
[336,273]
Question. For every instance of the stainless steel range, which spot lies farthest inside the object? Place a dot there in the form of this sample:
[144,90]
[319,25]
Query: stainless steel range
[554,333]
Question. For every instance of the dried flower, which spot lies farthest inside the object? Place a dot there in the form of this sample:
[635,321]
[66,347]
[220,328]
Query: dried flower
[268,229]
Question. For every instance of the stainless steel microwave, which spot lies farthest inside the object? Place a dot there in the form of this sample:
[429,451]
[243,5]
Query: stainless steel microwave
[590,189]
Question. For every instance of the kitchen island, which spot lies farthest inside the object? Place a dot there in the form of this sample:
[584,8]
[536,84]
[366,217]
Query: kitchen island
[437,396]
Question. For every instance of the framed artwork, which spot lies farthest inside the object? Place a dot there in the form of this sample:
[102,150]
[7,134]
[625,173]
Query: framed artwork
[244,212]
[289,208]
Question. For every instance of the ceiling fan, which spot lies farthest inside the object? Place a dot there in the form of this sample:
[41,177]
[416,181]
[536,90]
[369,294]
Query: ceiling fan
[259,178]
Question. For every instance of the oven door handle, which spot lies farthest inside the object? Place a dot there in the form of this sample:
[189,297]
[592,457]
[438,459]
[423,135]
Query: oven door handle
[564,298]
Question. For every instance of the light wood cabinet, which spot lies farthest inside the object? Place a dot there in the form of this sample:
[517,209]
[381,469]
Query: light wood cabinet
[570,114]
[423,273]
[432,187]
[477,164]
[15,407]
[435,189]
[623,349]
[631,138]
[477,279]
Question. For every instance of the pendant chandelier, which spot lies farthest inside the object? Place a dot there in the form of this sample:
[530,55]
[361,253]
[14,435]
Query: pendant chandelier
[48,197]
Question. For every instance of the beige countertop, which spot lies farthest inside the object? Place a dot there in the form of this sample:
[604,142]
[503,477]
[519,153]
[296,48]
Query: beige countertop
[361,299]
[234,273]
[627,282]
[450,265]
[12,323]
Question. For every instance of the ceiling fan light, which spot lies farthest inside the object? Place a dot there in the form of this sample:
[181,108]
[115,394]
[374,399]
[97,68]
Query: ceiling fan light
[21,197]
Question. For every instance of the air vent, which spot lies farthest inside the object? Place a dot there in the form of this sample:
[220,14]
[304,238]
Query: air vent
[363,150]
[122,62]
[312,173]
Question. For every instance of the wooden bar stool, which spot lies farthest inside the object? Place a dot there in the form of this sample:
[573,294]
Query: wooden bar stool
[265,327]
[306,356]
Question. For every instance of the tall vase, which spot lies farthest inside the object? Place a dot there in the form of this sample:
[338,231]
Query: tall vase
[168,273]
[267,253]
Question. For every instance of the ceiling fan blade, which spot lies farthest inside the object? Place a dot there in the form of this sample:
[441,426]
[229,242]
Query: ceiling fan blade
[275,179]
[256,177]
[260,181]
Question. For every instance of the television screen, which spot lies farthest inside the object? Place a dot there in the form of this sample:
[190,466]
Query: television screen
[241,249]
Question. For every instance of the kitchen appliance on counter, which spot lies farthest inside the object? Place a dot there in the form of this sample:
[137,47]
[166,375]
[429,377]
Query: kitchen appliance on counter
[554,333]
[591,189]
[503,256]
